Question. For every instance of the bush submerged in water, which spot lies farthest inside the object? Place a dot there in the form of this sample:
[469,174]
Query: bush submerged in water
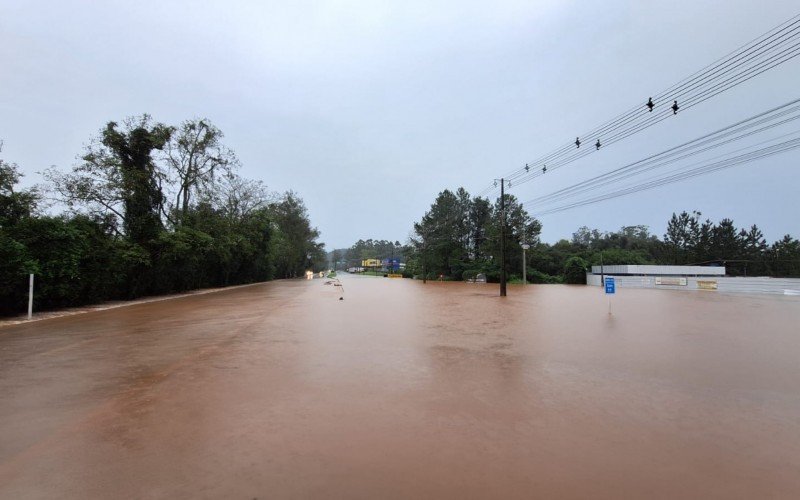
[575,271]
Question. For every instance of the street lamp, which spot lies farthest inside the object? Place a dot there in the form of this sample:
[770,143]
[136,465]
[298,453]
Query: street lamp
[525,246]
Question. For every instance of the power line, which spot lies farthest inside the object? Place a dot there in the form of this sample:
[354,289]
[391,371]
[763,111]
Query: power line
[794,24]
[754,50]
[761,54]
[627,175]
[695,100]
[740,130]
[702,169]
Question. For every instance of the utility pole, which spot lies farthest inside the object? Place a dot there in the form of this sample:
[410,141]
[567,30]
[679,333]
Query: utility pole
[602,274]
[525,246]
[502,238]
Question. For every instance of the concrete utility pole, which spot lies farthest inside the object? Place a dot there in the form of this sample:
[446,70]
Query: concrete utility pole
[602,273]
[525,246]
[502,238]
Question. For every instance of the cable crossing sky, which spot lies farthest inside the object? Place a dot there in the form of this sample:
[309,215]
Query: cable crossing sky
[781,116]
[773,48]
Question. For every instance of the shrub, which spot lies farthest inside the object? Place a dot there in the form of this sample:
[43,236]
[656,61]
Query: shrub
[575,271]
[536,276]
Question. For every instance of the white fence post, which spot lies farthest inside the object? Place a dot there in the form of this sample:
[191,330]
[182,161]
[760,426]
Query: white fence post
[30,298]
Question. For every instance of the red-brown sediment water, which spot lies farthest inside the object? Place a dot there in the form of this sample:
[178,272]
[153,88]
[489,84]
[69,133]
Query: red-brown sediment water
[406,390]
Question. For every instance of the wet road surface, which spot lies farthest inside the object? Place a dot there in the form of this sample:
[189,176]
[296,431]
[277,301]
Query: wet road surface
[405,390]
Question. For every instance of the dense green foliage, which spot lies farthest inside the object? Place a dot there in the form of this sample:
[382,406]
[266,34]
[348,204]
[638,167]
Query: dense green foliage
[459,237]
[743,251]
[366,249]
[153,209]
[575,271]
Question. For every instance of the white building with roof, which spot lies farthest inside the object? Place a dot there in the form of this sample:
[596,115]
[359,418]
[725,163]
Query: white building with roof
[707,278]
[648,270]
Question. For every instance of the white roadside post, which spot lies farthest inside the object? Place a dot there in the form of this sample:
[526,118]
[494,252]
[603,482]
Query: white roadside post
[525,246]
[30,298]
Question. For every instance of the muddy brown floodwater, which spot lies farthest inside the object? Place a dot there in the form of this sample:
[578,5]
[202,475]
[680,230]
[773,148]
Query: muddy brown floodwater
[405,390]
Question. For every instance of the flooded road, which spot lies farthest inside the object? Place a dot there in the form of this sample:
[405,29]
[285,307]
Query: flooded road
[405,390]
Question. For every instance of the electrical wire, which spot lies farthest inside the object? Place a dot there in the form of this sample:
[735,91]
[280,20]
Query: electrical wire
[740,130]
[704,168]
[761,54]
[707,94]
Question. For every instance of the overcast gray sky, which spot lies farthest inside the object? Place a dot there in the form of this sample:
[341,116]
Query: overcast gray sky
[368,109]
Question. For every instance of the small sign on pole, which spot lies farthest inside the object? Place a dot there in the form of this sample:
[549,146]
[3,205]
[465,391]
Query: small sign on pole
[611,289]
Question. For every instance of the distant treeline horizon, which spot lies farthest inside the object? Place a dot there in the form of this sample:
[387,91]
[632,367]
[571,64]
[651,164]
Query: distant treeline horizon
[150,209]
[459,237]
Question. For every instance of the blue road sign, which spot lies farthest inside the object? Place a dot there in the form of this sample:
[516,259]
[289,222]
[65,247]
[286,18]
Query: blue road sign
[610,286]
[391,263]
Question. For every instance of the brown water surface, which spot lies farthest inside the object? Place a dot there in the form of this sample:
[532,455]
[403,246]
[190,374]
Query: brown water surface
[405,390]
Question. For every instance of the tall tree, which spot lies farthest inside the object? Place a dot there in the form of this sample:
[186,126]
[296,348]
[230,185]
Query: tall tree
[336,257]
[196,158]
[520,227]
[297,249]
[786,257]
[704,248]
[15,204]
[438,239]
[726,243]
[585,237]
[118,177]
[131,150]
[480,216]
[682,234]
[754,250]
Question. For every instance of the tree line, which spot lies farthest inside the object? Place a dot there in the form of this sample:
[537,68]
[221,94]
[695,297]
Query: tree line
[344,258]
[148,209]
[459,237]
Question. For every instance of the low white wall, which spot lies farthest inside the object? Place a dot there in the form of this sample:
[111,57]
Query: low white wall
[662,270]
[724,284]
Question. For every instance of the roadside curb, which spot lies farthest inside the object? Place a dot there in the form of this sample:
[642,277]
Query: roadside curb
[72,311]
